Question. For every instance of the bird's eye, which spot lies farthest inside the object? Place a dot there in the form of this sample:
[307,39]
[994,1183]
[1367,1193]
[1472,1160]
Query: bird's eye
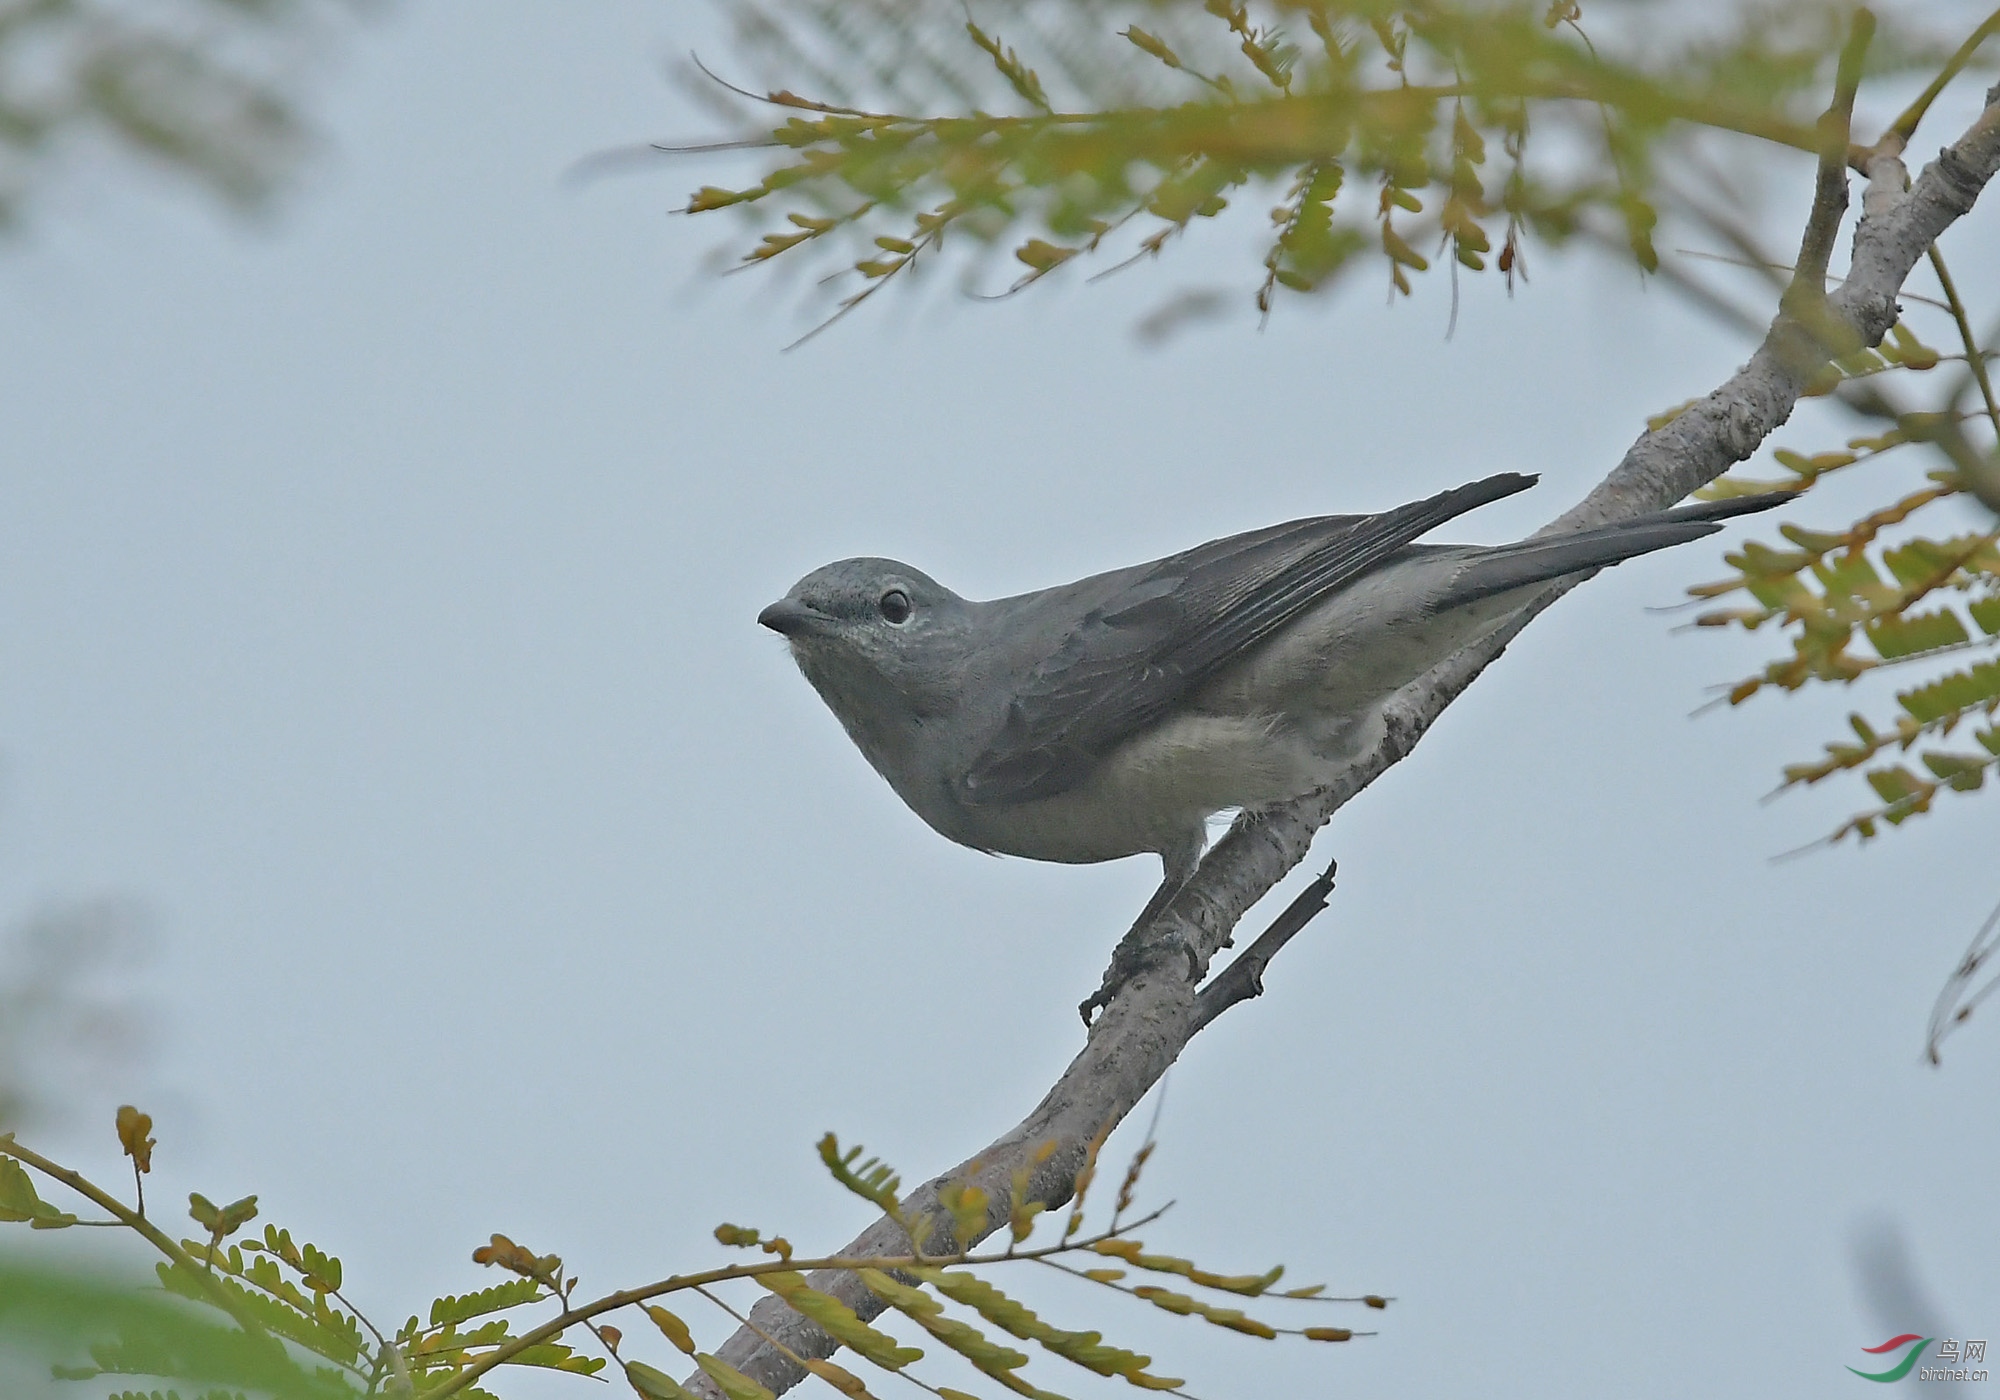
[895,606]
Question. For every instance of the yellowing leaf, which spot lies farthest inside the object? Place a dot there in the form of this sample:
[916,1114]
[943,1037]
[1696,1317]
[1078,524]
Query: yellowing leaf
[732,1382]
[655,1385]
[1042,256]
[671,1327]
[1181,1303]
[840,1378]
[133,1130]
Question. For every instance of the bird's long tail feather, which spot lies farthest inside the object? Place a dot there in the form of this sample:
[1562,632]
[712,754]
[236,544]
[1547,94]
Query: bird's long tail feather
[1553,556]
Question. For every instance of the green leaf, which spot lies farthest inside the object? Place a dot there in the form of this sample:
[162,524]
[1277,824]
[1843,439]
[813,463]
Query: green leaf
[1955,693]
[1986,614]
[1901,789]
[1895,636]
[237,1214]
[872,1180]
[1959,772]
[732,1382]
[18,1201]
[655,1385]
[315,1326]
[671,1327]
[204,1211]
[1042,256]
[555,1356]
[54,1313]
[499,1297]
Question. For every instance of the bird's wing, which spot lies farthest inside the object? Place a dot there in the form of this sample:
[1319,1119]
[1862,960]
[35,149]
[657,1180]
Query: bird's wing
[1135,655]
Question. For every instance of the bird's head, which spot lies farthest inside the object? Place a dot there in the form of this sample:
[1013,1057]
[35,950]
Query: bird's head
[883,643]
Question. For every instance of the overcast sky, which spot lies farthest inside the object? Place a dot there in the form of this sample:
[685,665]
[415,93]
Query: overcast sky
[377,598]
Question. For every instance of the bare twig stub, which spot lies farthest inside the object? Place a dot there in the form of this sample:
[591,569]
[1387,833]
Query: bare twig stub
[1146,1026]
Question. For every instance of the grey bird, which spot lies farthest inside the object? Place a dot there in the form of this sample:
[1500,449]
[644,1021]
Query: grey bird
[1117,714]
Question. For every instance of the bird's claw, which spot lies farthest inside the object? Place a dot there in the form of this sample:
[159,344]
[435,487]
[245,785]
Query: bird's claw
[1135,955]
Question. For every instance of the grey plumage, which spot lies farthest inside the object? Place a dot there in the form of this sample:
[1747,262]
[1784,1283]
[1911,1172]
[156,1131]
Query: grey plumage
[1114,715]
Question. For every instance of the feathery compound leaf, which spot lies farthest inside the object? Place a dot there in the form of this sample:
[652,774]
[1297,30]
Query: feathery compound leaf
[1018,74]
[1898,635]
[840,1322]
[1133,1253]
[555,1356]
[1182,1305]
[1416,96]
[322,1270]
[499,1297]
[131,1331]
[330,1333]
[1954,694]
[996,1361]
[872,1181]
[1085,1349]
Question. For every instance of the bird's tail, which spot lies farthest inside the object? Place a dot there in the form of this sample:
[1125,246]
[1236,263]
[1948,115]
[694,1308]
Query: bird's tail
[1533,561]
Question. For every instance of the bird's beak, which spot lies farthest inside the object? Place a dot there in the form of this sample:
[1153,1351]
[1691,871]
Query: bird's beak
[788,617]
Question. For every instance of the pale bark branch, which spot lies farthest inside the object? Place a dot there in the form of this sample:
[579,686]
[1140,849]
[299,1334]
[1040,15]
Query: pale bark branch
[1145,1027]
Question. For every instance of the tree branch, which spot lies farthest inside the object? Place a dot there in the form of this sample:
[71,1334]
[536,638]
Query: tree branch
[1149,1023]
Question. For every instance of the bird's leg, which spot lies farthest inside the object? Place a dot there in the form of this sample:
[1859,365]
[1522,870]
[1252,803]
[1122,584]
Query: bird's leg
[1136,951]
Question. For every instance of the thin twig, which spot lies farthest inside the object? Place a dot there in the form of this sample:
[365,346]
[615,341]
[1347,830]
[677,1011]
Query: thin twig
[154,1236]
[1830,192]
[1975,359]
[1244,977]
[1905,126]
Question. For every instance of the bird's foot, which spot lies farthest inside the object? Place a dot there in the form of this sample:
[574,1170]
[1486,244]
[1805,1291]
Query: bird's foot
[1142,949]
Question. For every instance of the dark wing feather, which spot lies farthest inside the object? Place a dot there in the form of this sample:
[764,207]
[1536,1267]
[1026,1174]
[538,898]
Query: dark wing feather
[1130,660]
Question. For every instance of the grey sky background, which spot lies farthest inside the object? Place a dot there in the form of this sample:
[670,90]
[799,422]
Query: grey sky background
[377,594]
